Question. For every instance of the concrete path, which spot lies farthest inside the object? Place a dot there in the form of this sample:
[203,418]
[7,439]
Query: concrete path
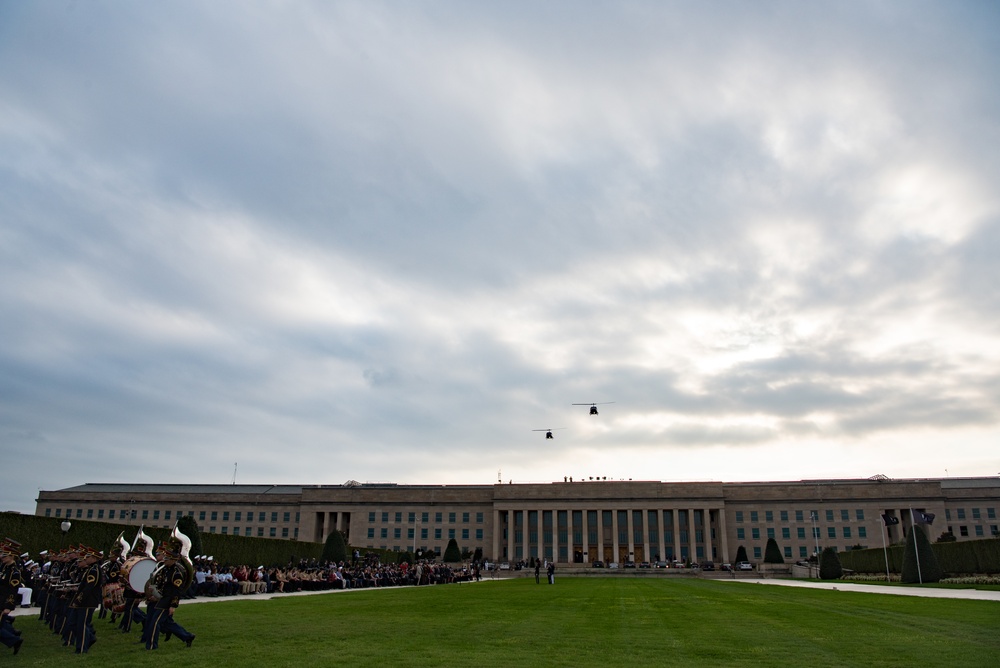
[927,592]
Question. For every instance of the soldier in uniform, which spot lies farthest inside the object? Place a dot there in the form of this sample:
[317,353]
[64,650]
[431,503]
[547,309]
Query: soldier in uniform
[112,571]
[172,579]
[141,547]
[88,596]
[10,582]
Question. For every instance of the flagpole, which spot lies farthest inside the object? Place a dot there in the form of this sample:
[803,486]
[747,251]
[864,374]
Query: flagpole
[916,551]
[885,551]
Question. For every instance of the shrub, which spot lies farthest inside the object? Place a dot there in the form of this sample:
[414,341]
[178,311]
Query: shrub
[335,548]
[772,553]
[829,565]
[741,554]
[920,564]
[451,553]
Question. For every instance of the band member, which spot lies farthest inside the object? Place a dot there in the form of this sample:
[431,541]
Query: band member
[10,582]
[112,578]
[172,580]
[87,598]
[142,546]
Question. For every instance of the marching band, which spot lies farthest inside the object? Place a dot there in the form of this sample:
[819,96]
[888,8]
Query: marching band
[75,582]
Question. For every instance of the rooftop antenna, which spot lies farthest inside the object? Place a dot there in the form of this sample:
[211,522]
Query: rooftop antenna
[498,476]
[235,466]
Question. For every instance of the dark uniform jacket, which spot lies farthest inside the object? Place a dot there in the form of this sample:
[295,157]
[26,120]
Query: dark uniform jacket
[172,581]
[10,582]
[89,594]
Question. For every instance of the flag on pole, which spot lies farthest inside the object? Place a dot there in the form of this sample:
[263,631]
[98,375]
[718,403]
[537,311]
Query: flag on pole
[890,520]
[922,517]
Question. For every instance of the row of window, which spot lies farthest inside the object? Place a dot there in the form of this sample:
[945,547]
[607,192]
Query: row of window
[800,532]
[963,530]
[424,517]
[800,515]
[804,551]
[248,531]
[991,513]
[424,533]
[155,514]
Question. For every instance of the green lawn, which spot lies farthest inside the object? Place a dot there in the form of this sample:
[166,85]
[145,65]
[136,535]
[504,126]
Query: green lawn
[577,622]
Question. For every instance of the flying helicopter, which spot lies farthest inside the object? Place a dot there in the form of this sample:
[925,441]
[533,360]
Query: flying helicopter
[593,405]
[548,431]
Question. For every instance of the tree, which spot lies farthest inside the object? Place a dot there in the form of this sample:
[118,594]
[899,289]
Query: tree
[187,526]
[335,548]
[946,537]
[829,564]
[741,554]
[451,553]
[772,553]
[928,569]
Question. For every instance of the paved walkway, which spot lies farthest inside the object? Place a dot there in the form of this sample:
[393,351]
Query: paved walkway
[927,592]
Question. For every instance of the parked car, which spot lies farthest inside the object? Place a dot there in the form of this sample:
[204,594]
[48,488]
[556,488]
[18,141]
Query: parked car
[660,564]
[708,566]
[744,566]
[644,564]
[505,566]
[598,564]
[727,567]
[613,564]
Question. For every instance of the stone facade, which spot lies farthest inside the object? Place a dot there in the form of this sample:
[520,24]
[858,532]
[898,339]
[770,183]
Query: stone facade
[568,522]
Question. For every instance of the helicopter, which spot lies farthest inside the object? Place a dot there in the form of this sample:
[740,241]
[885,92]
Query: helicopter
[548,431]
[594,405]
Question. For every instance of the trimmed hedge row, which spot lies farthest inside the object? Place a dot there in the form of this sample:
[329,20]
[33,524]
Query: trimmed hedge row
[963,557]
[43,533]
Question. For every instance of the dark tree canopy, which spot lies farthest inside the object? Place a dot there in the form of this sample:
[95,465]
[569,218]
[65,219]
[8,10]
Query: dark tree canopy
[928,569]
[335,548]
[772,553]
[451,553]
[829,564]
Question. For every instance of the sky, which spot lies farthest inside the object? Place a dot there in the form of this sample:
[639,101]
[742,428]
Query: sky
[312,242]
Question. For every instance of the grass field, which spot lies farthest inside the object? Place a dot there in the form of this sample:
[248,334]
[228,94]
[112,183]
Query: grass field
[577,622]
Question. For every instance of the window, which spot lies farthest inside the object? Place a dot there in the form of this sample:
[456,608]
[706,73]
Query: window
[399,517]
[961,513]
[261,515]
[411,518]
[994,531]
[409,533]
[385,517]
[753,515]
[479,534]
[465,534]
[437,534]
[831,532]
[847,532]
[48,512]
[451,519]
[859,515]
[788,551]
[739,515]
[201,515]
[423,533]
[287,516]
[274,516]
[236,531]
[100,514]
[768,515]
[862,532]
[465,518]
[451,533]
[770,532]
[249,532]
[798,516]
[79,513]
[384,533]
[371,517]
[803,553]
[260,532]
[215,515]
[479,518]
[801,532]
[371,532]
[273,532]
[979,529]
[845,516]
[991,513]
[437,517]
[90,513]
[829,515]
[166,515]
[284,532]
[425,517]
[756,553]
[756,533]
[225,515]
[397,532]
[225,530]
[145,514]
[786,533]
[975,514]
[741,533]
[238,518]
[211,529]
[784,515]
[947,514]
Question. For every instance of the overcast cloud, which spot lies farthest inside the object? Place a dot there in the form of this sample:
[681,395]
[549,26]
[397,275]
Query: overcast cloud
[386,241]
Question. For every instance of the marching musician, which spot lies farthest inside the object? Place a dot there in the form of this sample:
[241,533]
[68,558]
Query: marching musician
[141,547]
[172,579]
[112,576]
[10,582]
[88,596]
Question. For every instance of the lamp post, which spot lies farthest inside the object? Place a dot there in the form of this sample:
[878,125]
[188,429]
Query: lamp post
[65,526]
[815,518]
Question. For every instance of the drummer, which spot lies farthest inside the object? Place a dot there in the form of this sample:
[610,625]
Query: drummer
[112,572]
[132,613]
[87,598]
[10,582]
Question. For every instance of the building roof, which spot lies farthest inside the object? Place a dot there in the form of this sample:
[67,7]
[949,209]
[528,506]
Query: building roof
[157,488]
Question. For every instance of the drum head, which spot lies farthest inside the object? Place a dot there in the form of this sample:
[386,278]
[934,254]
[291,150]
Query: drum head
[137,573]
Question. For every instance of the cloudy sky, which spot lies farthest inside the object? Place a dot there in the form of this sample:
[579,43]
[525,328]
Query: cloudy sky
[310,242]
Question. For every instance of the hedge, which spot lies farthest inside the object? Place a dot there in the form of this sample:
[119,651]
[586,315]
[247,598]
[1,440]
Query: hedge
[957,558]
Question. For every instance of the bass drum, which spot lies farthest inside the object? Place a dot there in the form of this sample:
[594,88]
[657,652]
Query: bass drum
[135,572]
[114,597]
